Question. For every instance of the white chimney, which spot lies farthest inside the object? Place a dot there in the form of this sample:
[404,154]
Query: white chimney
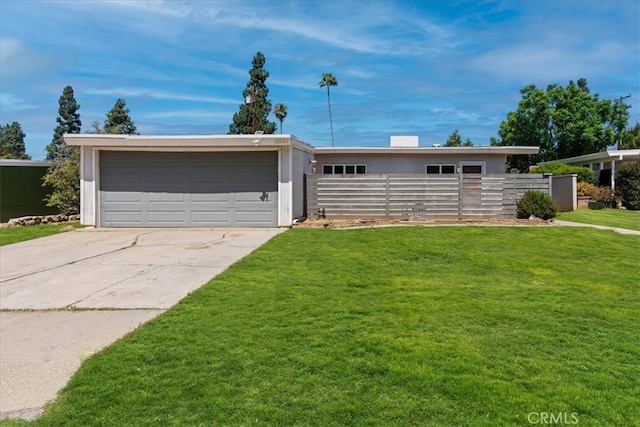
[403,141]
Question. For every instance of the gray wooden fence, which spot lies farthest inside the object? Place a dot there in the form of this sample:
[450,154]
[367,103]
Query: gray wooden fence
[420,196]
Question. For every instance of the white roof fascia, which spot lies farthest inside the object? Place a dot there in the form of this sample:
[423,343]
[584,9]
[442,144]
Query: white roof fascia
[602,155]
[428,150]
[178,141]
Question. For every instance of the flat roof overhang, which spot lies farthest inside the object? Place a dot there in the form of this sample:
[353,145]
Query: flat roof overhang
[186,142]
[508,151]
[603,156]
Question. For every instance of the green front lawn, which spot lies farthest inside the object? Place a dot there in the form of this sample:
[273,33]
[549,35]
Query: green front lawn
[449,326]
[19,234]
[609,217]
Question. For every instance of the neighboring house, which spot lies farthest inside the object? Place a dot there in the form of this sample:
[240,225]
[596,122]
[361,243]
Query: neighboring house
[604,164]
[239,180]
[21,190]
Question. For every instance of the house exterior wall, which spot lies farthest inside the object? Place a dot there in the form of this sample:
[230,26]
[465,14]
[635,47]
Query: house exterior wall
[409,163]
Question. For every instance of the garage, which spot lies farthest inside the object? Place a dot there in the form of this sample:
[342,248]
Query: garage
[188,189]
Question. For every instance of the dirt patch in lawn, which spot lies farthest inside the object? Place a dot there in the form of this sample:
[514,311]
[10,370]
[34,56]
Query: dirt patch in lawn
[380,222]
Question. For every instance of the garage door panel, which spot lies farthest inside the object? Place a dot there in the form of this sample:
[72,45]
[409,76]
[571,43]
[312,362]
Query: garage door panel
[208,176]
[188,189]
[124,217]
[252,217]
[210,217]
[254,197]
[197,198]
[166,217]
[166,197]
[122,196]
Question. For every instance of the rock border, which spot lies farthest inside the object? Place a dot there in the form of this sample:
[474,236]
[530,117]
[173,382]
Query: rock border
[24,221]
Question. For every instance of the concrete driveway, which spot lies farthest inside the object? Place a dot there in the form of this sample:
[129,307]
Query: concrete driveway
[64,297]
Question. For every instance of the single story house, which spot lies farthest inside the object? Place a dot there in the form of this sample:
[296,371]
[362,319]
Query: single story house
[239,180]
[604,164]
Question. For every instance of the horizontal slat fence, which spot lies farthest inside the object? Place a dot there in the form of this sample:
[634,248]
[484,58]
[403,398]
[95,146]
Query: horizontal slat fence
[463,196]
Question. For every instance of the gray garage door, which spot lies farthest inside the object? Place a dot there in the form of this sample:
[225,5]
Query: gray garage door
[147,189]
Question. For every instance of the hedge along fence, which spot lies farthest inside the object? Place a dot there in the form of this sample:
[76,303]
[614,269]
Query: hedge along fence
[21,190]
[463,196]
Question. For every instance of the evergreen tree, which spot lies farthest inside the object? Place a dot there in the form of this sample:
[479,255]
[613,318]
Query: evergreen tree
[68,122]
[253,114]
[12,142]
[118,120]
[455,140]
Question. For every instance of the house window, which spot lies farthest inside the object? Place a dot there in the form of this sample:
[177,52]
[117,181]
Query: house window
[472,167]
[440,169]
[344,169]
[448,169]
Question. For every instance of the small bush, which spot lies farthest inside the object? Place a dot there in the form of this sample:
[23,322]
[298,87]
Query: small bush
[63,176]
[536,203]
[628,185]
[605,195]
[586,189]
[559,168]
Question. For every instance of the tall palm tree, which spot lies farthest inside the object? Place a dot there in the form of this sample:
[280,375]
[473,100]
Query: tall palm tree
[280,110]
[329,80]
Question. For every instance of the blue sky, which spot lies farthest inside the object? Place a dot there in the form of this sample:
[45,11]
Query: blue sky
[404,67]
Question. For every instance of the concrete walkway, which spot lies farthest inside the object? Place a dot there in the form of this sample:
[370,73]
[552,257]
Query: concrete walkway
[67,296]
[601,227]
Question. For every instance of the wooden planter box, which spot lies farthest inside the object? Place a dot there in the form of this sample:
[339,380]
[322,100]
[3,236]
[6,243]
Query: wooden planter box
[583,202]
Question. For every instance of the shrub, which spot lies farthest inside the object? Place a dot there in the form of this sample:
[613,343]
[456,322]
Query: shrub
[628,185]
[604,195]
[64,178]
[536,203]
[559,168]
[586,189]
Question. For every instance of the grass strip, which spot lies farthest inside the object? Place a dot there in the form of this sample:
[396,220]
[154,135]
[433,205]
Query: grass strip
[610,217]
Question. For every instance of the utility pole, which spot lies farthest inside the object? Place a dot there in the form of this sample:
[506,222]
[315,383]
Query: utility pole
[619,141]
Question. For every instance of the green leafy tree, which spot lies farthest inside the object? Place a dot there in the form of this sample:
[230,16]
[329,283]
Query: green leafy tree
[64,179]
[630,138]
[455,140]
[118,120]
[68,122]
[327,81]
[563,121]
[253,115]
[280,110]
[12,142]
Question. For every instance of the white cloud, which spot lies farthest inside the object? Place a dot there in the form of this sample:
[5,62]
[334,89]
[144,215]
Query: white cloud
[9,49]
[540,62]
[188,114]
[11,102]
[158,94]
